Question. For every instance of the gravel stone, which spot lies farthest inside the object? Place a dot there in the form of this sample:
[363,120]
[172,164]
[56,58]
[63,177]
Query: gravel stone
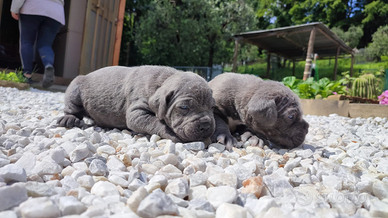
[12,196]
[155,204]
[35,207]
[339,171]
[13,173]
[221,194]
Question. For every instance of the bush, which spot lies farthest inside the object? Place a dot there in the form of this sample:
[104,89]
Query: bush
[310,89]
[13,76]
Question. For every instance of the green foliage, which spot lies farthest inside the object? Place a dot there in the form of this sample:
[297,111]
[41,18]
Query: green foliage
[375,10]
[12,76]
[333,13]
[310,89]
[368,84]
[379,46]
[288,12]
[291,82]
[192,32]
[351,37]
[326,68]
[200,32]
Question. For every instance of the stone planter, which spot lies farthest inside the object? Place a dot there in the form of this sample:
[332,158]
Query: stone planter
[20,86]
[342,108]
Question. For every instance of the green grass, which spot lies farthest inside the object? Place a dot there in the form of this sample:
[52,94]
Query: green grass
[325,69]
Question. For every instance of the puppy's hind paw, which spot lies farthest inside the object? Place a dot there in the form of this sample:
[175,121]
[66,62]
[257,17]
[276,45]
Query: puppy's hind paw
[70,121]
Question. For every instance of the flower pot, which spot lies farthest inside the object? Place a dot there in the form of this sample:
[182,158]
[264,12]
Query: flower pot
[20,86]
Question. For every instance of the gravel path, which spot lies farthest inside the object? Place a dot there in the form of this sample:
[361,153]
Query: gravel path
[50,171]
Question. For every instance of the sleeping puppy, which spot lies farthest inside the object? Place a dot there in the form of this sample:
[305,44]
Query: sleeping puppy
[264,109]
[158,100]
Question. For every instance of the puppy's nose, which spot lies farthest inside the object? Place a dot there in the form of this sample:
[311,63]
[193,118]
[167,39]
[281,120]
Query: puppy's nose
[204,126]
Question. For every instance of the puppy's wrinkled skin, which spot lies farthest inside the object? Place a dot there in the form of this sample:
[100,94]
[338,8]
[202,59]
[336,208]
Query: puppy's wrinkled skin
[149,99]
[263,109]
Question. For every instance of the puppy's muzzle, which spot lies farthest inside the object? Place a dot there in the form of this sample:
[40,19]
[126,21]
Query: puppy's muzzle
[302,132]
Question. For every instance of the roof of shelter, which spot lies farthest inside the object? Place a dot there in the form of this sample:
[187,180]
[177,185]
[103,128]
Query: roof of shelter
[292,42]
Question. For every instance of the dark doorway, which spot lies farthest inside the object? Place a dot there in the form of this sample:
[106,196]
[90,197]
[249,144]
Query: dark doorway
[9,41]
[9,38]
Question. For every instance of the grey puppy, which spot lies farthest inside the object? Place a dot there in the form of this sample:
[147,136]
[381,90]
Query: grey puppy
[260,109]
[158,100]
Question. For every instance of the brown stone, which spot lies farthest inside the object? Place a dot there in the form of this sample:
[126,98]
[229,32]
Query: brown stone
[253,185]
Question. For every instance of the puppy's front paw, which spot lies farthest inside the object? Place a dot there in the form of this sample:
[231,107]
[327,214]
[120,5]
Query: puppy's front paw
[252,139]
[166,133]
[70,121]
[226,139]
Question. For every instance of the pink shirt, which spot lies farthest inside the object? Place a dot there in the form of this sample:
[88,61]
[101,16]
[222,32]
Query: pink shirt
[49,8]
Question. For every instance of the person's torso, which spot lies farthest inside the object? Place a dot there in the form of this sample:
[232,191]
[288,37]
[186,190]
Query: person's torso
[49,8]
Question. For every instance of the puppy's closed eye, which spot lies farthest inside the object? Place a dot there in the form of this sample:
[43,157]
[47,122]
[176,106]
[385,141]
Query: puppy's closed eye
[183,109]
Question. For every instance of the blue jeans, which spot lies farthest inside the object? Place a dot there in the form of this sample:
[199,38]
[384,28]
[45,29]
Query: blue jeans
[42,30]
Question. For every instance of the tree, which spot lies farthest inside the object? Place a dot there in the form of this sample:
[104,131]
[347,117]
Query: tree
[375,14]
[379,45]
[333,13]
[376,10]
[192,32]
[129,52]
[289,12]
[351,37]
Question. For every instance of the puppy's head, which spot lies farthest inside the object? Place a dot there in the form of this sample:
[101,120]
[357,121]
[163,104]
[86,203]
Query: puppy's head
[185,103]
[274,112]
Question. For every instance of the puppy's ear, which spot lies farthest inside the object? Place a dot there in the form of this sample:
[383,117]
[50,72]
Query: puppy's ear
[263,111]
[159,102]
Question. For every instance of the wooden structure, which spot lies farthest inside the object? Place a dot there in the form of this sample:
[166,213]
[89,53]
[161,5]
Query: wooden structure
[90,39]
[297,43]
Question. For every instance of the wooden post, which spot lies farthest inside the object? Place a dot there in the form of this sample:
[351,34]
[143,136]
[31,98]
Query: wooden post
[119,33]
[268,64]
[351,66]
[234,69]
[310,53]
[336,63]
[293,67]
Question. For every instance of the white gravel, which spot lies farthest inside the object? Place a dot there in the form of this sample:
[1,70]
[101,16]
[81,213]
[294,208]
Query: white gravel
[340,171]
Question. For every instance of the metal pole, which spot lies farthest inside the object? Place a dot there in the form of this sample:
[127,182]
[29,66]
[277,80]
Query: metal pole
[268,64]
[336,63]
[293,67]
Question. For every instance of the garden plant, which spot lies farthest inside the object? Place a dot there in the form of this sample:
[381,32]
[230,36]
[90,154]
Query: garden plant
[311,89]
[15,76]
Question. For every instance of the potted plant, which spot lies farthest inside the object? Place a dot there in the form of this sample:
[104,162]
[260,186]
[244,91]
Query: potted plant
[13,79]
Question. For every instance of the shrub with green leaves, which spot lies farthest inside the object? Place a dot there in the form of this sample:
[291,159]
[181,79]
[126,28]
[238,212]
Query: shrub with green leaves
[310,89]
[12,76]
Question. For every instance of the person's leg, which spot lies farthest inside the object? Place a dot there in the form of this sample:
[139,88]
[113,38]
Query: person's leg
[46,35]
[28,28]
